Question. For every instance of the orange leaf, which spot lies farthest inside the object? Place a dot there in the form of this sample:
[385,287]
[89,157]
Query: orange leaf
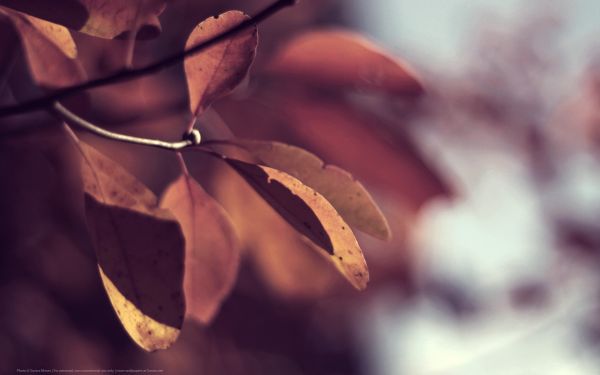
[211,250]
[365,144]
[347,195]
[310,214]
[140,251]
[216,71]
[102,18]
[344,59]
[49,49]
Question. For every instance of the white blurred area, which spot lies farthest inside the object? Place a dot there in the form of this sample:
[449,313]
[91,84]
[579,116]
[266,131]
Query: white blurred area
[496,235]
[487,242]
[439,32]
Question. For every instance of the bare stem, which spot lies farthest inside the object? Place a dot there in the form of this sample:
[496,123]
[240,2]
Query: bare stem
[192,140]
[130,74]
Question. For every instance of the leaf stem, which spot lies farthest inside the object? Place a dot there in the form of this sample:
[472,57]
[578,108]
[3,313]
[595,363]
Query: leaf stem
[131,37]
[189,140]
[182,164]
[130,74]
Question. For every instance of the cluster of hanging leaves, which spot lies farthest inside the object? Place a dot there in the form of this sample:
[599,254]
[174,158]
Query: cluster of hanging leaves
[162,259]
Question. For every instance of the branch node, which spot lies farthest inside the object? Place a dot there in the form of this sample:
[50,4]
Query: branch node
[193,136]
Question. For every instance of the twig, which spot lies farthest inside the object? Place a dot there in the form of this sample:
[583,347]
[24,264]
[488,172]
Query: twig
[131,37]
[130,74]
[191,139]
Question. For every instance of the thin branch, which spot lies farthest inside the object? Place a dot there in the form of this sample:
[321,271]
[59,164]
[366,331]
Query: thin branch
[191,140]
[131,38]
[182,165]
[130,74]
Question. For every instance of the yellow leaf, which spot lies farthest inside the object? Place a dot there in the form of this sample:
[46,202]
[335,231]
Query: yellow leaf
[140,251]
[346,194]
[310,214]
[101,18]
[285,261]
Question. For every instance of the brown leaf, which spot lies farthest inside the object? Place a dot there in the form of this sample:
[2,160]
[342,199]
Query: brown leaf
[285,261]
[49,49]
[345,59]
[216,71]
[102,18]
[347,195]
[377,151]
[310,214]
[211,250]
[140,251]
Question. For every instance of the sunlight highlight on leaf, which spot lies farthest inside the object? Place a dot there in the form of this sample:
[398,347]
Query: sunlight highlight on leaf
[290,266]
[101,18]
[140,251]
[310,214]
[344,192]
[48,48]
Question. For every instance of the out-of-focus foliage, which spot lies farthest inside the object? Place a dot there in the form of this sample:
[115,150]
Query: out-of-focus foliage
[303,118]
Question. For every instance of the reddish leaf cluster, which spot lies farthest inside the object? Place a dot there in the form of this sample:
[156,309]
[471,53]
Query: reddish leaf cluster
[162,259]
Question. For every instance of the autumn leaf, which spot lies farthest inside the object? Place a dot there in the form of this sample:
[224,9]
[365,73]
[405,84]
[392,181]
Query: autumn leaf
[344,59]
[211,250]
[310,214]
[49,49]
[336,132]
[219,69]
[284,260]
[376,151]
[101,18]
[140,251]
[347,195]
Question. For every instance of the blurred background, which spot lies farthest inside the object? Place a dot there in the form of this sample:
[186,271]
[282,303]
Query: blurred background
[513,253]
[488,175]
